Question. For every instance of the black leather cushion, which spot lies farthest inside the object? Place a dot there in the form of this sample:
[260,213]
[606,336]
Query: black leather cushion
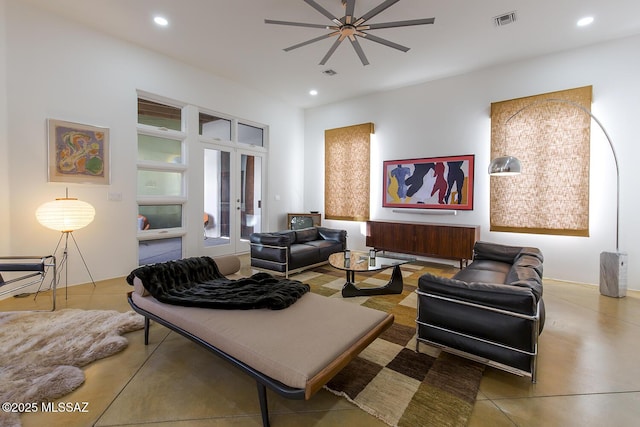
[485,264]
[272,239]
[543,315]
[289,233]
[529,261]
[525,277]
[268,264]
[495,252]
[485,276]
[269,256]
[333,234]
[306,235]
[478,348]
[302,255]
[534,252]
[484,271]
[326,248]
[512,298]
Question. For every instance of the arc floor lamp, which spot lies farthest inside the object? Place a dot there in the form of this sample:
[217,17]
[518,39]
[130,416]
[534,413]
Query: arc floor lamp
[613,265]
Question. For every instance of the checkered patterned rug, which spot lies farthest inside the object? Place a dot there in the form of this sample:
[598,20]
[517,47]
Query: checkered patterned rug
[389,379]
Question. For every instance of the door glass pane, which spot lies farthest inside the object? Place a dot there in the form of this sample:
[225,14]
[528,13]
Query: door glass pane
[250,195]
[215,127]
[160,250]
[250,135]
[217,197]
[158,183]
[153,217]
[159,149]
[159,115]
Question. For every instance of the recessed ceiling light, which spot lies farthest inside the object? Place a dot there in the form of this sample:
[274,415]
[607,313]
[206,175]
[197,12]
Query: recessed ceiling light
[161,21]
[313,92]
[585,21]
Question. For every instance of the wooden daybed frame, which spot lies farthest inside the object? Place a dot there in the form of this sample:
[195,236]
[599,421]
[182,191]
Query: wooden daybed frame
[353,335]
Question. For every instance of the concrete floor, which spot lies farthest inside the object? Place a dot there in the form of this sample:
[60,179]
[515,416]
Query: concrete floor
[589,374]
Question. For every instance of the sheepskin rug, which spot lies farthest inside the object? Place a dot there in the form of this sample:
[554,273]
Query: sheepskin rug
[42,352]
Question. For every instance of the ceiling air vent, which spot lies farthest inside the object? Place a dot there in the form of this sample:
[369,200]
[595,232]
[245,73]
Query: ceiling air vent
[505,19]
[329,72]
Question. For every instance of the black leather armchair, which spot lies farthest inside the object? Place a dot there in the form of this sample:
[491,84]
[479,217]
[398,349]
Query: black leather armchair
[491,311]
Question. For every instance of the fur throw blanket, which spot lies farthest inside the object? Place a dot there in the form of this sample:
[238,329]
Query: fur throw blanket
[197,282]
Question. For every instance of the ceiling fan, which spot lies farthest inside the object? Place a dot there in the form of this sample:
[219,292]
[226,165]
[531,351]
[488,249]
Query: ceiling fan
[352,27]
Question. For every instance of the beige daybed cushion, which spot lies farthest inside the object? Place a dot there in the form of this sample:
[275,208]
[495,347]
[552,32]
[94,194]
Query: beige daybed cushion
[291,345]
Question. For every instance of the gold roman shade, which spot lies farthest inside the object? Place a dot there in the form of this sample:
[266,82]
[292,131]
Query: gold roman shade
[347,171]
[551,140]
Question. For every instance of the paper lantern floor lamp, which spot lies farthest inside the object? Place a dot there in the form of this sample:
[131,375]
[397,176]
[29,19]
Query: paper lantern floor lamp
[66,214]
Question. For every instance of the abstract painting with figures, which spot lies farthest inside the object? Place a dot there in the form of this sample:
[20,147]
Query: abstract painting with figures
[429,183]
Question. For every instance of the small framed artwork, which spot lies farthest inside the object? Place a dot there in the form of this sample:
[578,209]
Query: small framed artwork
[78,153]
[429,183]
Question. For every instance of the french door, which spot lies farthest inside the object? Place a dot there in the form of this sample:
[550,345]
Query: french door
[233,198]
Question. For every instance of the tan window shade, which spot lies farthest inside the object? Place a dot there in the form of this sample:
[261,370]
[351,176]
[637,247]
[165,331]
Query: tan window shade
[346,172]
[551,140]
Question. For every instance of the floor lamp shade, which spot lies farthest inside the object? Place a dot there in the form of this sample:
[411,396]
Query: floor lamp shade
[65,214]
[504,166]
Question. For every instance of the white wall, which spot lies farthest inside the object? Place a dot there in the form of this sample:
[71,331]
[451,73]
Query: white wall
[59,69]
[52,68]
[451,117]
[4,144]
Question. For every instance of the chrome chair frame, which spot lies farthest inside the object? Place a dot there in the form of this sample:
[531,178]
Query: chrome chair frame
[35,269]
[535,326]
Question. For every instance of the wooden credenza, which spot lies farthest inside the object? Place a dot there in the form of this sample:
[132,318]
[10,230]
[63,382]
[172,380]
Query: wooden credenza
[445,241]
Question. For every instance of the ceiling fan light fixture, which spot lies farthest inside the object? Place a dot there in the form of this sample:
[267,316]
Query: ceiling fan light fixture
[350,27]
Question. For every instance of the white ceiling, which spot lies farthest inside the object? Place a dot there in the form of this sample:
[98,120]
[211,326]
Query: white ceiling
[229,38]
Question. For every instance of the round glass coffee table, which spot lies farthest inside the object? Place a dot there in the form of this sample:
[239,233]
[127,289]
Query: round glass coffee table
[362,262]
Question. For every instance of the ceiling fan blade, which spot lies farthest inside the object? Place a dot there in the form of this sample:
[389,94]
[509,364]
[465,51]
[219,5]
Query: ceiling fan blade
[385,42]
[331,50]
[376,10]
[317,39]
[400,23]
[359,51]
[323,11]
[295,24]
[349,10]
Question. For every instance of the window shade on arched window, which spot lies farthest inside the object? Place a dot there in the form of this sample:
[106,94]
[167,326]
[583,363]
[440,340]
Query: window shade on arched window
[551,140]
[346,172]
